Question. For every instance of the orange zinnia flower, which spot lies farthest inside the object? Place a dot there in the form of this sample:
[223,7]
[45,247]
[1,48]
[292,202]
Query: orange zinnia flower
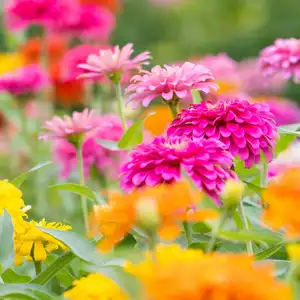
[159,208]
[281,199]
[178,274]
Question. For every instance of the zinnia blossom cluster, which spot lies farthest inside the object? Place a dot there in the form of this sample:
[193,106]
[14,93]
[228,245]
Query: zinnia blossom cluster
[24,81]
[189,274]
[171,83]
[205,161]
[158,208]
[244,128]
[282,57]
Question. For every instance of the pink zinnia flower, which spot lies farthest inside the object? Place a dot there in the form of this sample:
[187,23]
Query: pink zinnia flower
[107,162]
[24,81]
[85,21]
[113,62]
[255,84]
[23,13]
[246,129]
[171,83]
[163,160]
[282,57]
[71,129]
[76,56]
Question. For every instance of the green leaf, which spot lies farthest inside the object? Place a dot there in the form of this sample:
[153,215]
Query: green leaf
[290,129]
[18,181]
[110,145]
[82,248]
[76,189]
[257,189]
[46,275]
[247,236]
[196,97]
[199,245]
[268,252]
[10,276]
[285,140]
[134,134]
[25,291]
[7,252]
[246,174]
[201,227]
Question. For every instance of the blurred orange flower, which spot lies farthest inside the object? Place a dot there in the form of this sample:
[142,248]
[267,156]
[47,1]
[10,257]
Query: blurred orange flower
[113,5]
[281,200]
[160,208]
[178,274]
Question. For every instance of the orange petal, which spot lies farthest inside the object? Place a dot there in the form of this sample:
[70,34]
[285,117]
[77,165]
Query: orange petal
[169,231]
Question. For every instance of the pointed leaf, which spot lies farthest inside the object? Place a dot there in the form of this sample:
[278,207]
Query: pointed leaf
[110,145]
[285,140]
[196,97]
[10,276]
[268,252]
[18,181]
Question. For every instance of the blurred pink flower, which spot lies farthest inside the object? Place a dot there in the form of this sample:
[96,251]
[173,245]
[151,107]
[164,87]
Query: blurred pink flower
[76,56]
[24,81]
[162,161]
[85,21]
[20,14]
[282,57]
[113,62]
[68,128]
[255,84]
[107,162]
[169,83]
[246,129]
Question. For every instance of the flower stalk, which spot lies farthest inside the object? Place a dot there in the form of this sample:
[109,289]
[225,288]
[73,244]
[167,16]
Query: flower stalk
[120,105]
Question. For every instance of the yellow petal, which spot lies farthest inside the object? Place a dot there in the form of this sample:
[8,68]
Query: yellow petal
[39,251]
[25,248]
[19,260]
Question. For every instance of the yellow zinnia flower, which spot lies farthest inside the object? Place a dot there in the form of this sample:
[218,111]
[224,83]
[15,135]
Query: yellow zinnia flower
[95,287]
[176,274]
[33,244]
[9,62]
[11,199]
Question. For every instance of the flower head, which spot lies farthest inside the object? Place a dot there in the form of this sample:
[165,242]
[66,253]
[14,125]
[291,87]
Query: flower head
[72,129]
[171,83]
[113,63]
[33,244]
[206,162]
[24,81]
[282,57]
[281,198]
[189,274]
[158,208]
[95,287]
[246,129]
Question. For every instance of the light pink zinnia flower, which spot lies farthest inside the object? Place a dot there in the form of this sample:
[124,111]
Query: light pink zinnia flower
[113,63]
[163,160]
[85,21]
[24,81]
[255,84]
[246,129]
[76,56]
[68,128]
[23,13]
[169,83]
[106,161]
[282,57]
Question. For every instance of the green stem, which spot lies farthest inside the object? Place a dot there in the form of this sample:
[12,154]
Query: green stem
[152,245]
[197,99]
[84,206]
[173,105]
[38,267]
[216,231]
[246,226]
[120,105]
[188,232]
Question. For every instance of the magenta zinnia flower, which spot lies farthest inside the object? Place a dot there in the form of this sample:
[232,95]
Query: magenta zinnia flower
[24,81]
[169,83]
[282,57]
[71,129]
[163,160]
[113,62]
[246,129]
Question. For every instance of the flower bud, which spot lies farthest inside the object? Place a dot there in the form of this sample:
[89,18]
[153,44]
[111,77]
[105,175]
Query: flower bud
[233,192]
[147,214]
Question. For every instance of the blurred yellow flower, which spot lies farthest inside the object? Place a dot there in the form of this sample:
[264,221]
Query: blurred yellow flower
[95,287]
[11,199]
[33,244]
[281,201]
[9,62]
[228,87]
[176,274]
[159,208]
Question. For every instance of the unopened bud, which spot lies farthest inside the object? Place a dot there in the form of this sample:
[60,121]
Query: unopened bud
[147,214]
[233,192]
